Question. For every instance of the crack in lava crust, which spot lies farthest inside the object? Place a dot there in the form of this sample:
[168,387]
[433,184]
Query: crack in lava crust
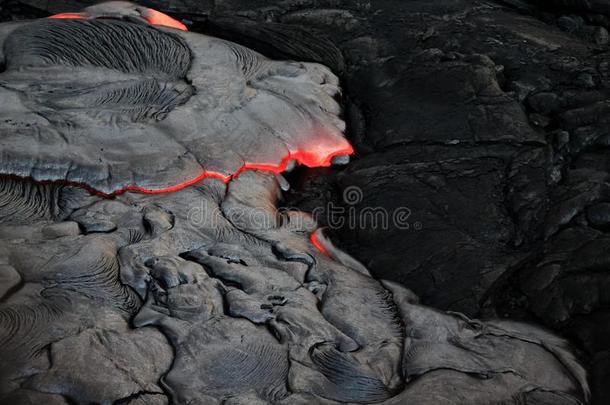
[305,158]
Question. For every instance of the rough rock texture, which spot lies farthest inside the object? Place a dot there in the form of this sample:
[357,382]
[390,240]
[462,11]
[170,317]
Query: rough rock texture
[483,122]
[211,295]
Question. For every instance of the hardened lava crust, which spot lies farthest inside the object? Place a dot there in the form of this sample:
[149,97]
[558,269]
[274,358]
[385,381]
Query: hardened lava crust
[119,105]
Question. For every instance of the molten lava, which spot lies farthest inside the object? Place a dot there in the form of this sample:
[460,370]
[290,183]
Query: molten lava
[69,16]
[153,17]
[314,241]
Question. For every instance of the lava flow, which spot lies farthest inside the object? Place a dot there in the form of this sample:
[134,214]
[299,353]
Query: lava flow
[151,16]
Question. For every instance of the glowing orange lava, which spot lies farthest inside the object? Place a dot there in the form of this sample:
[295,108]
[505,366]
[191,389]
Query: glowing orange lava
[314,241]
[153,17]
[69,16]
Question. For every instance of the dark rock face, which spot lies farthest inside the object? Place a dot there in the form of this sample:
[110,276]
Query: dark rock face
[484,125]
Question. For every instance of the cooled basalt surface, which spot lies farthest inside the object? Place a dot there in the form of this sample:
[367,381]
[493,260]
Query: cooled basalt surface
[480,139]
[211,295]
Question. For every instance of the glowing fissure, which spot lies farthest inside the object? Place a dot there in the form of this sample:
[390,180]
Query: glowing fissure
[303,157]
